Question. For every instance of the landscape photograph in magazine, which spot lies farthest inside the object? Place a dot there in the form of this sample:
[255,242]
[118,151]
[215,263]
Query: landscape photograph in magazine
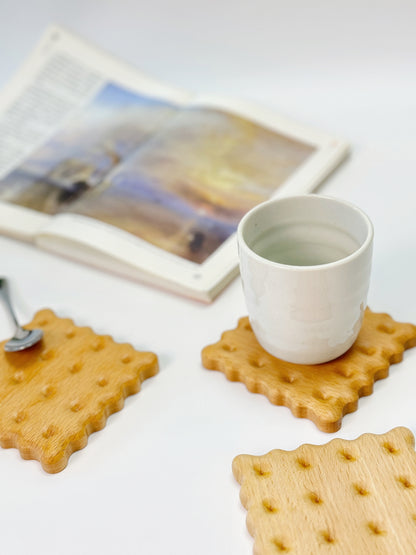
[178,178]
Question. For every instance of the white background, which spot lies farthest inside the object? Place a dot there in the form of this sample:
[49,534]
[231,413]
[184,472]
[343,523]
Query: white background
[157,479]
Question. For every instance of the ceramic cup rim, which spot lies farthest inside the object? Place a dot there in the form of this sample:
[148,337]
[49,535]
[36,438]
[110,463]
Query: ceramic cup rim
[308,268]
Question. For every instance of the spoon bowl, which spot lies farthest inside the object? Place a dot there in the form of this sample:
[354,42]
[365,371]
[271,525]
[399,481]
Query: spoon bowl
[20,343]
[22,338]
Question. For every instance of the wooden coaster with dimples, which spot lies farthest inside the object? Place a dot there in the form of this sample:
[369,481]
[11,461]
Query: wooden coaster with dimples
[323,393]
[55,394]
[345,497]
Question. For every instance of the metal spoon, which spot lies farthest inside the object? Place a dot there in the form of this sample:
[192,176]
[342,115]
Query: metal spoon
[22,338]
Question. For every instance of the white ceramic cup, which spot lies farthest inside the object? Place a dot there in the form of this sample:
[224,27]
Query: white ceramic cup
[305,264]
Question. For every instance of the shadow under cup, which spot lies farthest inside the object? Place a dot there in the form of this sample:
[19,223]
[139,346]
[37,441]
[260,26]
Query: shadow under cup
[305,264]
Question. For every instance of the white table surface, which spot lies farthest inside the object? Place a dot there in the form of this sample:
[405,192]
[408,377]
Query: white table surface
[157,480]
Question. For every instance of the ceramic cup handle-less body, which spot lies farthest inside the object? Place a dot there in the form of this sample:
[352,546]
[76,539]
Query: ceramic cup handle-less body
[305,264]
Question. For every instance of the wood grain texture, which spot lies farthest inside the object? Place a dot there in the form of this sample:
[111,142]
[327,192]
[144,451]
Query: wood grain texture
[55,394]
[322,393]
[345,497]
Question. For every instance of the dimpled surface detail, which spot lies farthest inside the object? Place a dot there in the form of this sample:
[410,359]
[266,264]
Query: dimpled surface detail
[343,498]
[55,394]
[322,393]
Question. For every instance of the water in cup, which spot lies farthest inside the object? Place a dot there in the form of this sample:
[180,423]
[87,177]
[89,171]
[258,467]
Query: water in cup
[304,244]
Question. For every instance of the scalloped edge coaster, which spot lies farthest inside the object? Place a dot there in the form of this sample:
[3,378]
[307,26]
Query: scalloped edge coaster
[322,393]
[58,392]
[344,497]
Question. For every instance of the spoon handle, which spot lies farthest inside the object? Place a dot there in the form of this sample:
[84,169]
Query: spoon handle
[4,293]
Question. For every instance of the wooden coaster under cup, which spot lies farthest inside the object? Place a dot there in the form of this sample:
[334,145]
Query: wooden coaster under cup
[322,393]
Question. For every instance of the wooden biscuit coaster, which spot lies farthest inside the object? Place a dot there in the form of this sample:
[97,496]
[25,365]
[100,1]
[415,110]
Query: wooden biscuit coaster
[55,394]
[323,393]
[345,497]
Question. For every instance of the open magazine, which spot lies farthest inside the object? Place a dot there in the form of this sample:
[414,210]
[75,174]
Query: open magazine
[106,166]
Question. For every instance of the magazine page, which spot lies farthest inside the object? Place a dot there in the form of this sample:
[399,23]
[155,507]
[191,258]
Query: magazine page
[304,154]
[182,192]
[141,180]
[60,79]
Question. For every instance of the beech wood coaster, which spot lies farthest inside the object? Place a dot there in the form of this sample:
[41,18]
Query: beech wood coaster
[55,394]
[342,498]
[322,393]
